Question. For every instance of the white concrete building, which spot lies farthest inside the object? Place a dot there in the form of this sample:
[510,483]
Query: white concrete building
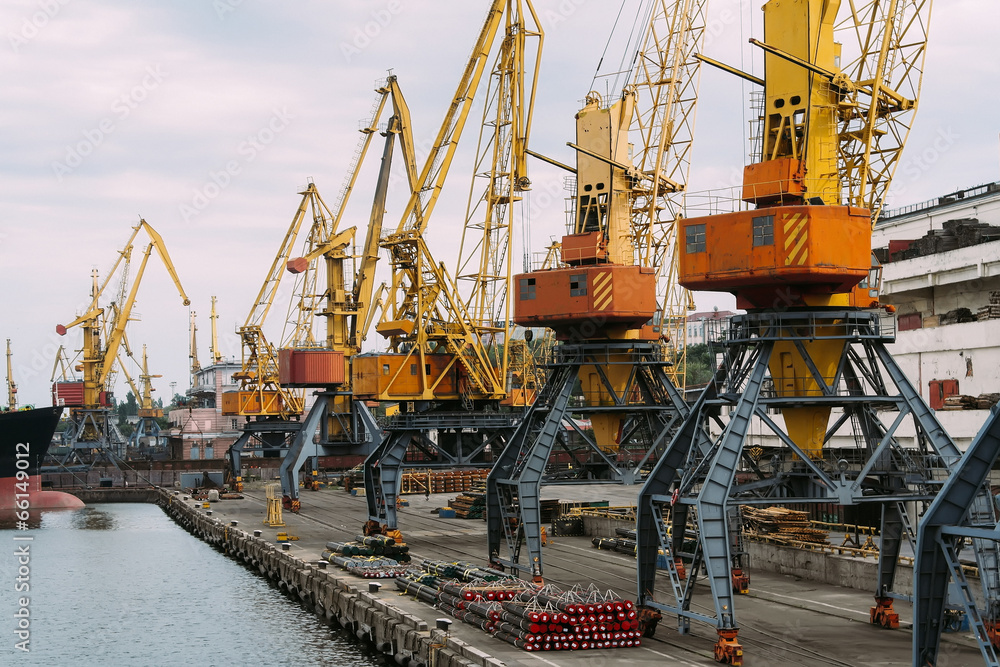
[930,347]
[705,326]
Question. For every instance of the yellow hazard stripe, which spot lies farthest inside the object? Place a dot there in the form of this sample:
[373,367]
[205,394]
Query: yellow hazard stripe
[796,235]
[603,290]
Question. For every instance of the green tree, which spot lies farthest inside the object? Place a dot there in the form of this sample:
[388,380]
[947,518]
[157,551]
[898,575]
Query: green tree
[700,364]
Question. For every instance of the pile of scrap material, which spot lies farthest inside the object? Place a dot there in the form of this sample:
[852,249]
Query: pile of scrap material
[954,234]
[782,524]
[987,401]
[442,481]
[371,545]
[528,617]
[957,316]
[964,402]
[471,505]
[960,402]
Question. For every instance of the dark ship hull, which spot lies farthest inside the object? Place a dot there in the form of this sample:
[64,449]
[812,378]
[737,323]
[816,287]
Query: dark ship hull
[25,436]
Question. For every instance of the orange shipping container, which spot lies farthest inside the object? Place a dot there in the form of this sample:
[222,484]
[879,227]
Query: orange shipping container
[251,403]
[69,394]
[397,377]
[310,368]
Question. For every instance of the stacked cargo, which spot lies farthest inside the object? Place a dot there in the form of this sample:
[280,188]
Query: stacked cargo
[965,402]
[471,505]
[525,616]
[782,524]
[371,545]
[623,543]
[954,234]
[442,481]
[370,568]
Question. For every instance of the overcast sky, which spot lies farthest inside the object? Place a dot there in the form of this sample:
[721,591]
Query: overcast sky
[207,117]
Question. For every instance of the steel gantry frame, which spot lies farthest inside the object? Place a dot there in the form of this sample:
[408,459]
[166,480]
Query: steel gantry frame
[623,225]
[696,478]
[461,439]
[653,407]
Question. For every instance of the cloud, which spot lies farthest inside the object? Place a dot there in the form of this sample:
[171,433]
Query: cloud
[227,66]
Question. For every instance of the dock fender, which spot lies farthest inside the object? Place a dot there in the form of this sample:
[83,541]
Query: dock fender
[385,633]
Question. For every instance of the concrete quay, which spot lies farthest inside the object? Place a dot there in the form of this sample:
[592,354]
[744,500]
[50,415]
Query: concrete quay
[786,620]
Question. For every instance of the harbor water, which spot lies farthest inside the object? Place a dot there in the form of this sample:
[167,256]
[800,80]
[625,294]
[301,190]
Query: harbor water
[123,585]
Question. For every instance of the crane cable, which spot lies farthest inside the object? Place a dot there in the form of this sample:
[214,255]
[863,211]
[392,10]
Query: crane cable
[607,44]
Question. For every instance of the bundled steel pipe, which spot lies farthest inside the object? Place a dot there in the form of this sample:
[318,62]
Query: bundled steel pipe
[420,591]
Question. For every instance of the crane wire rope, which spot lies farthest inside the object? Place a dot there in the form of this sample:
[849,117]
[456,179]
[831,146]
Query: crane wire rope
[607,44]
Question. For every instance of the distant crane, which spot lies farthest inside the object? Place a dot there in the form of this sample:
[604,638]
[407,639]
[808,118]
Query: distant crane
[92,426]
[214,351]
[193,346]
[11,386]
[149,412]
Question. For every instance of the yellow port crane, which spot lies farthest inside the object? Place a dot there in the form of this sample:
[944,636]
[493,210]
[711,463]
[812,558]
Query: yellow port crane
[440,341]
[840,85]
[348,301]
[447,364]
[604,297]
[665,79]
[103,334]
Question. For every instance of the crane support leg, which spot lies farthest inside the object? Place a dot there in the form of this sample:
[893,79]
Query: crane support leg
[383,476]
[234,456]
[882,613]
[513,508]
[939,536]
[298,453]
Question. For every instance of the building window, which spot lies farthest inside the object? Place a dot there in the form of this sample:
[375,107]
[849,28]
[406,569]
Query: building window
[195,454]
[578,284]
[236,424]
[695,238]
[527,289]
[763,230]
